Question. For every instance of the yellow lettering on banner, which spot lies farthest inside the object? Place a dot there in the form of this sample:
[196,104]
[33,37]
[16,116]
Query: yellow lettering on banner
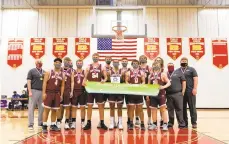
[82,47]
[151,47]
[196,47]
[37,48]
[174,47]
[60,47]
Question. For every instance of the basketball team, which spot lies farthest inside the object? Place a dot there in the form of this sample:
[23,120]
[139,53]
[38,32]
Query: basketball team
[63,89]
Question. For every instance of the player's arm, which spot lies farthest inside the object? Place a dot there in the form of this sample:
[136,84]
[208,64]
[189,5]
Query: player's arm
[46,77]
[86,75]
[166,80]
[127,77]
[105,76]
[29,77]
[72,83]
[62,87]
[143,77]
[149,79]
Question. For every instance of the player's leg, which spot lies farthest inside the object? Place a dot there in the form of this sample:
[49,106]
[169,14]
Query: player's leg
[153,106]
[47,106]
[131,102]
[163,110]
[54,109]
[127,109]
[112,100]
[120,99]
[74,104]
[60,114]
[82,101]
[90,102]
[139,104]
[100,101]
[66,105]
[148,111]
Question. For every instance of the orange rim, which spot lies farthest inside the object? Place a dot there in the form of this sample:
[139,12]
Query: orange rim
[113,28]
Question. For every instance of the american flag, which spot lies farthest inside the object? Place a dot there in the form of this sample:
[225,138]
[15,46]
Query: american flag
[117,49]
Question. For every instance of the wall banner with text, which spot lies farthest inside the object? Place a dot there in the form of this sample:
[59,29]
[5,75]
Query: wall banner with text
[220,52]
[60,47]
[197,47]
[37,47]
[15,52]
[174,47]
[82,47]
[151,47]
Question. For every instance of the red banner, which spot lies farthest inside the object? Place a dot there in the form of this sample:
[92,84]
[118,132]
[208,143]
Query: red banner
[151,47]
[37,47]
[220,52]
[197,47]
[82,47]
[60,47]
[15,51]
[174,47]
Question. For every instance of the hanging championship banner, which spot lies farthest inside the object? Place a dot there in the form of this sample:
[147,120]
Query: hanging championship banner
[220,52]
[15,51]
[37,47]
[197,47]
[60,47]
[151,47]
[174,47]
[82,47]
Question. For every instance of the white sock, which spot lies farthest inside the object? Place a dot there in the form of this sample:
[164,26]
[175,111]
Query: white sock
[53,123]
[149,120]
[120,120]
[45,123]
[112,120]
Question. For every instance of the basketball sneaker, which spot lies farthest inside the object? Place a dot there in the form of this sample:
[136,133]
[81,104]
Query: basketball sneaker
[44,129]
[58,124]
[112,124]
[73,125]
[164,127]
[142,126]
[103,126]
[152,127]
[66,126]
[137,123]
[120,126]
[131,126]
[54,128]
[88,126]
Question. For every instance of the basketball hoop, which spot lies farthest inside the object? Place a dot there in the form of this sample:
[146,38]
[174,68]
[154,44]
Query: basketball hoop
[119,32]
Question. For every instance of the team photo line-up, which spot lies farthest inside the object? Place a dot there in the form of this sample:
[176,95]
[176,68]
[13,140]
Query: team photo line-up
[63,89]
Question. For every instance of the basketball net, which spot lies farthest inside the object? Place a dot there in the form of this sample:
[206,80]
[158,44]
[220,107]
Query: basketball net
[119,30]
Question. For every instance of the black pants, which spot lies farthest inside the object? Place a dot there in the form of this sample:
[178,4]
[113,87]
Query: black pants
[175,102]
[189,99]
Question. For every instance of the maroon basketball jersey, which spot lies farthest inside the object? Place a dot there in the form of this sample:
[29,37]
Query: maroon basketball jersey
[54,81]
[156,78]
[116,74]
[135,77]
[78,79]
[95,73]
[68,73]
[146,72]
[124,71]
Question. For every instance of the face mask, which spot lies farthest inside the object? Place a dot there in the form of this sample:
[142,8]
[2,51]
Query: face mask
[66,64]
[143,60]
[156,68]
[95,59]
[183,64]
[116,65]
[57,66]
[135,66]
[124,64]
[170,69]
[70,66]
[79,66]
[39,65]
[108,62]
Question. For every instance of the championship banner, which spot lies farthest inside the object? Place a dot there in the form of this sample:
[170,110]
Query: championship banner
[174,47]
[15,51]
[37,47]
[60,47]
[197,47]
[220,53]
[122,88]
[82,47]
[151,47]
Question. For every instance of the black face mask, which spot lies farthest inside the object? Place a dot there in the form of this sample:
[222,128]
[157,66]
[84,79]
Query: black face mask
[108,62]
[183,64]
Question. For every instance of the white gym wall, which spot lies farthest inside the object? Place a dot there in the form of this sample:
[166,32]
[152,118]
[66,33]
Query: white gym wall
[76,22]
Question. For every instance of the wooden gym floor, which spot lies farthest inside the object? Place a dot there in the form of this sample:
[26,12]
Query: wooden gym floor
[213,128]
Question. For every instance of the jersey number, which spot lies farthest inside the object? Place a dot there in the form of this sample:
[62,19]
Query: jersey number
[95,75]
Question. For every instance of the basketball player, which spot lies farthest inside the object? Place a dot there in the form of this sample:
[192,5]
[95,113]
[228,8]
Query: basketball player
[94,73]
[116,98]
[158,77]
[52,93]
[146,70]
[68,92]
[78,94]
[135,76]
[161,61]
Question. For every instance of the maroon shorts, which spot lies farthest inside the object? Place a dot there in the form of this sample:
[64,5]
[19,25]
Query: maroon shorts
[116,98]
[135,100]
[66,98]
[160,100]
[52,100]
[99,98]
[79,98]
